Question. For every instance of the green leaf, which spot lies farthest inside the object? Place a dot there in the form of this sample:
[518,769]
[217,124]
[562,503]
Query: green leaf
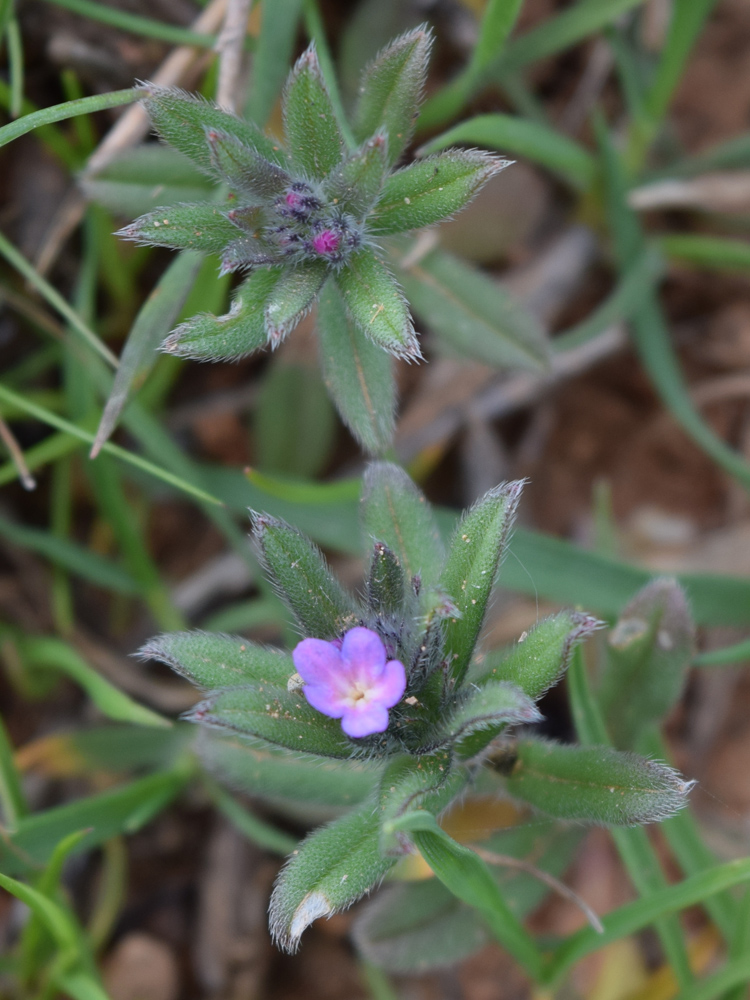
[416,926]
[474,314]
[391,91]
[396,513]
[234,335]
[541,657]
[272,55]
[333,868]
[595,784]
[210,660]
[295,424]
[297,782]
[649,651]
[376,304]
[434,189]
[272,713]
[249,825]
[74,558]
[470,571]
[386,586]
[357,373]
[521,137]
[562,31]
[145,177]
[182,120]
[312,130]
[297,567]
[485,713]
[152,323]
[59,923]
[292,296]
[120,810]
[498,19]
[355,184]
[469,879]
[183,227]
[50,653]
[635,916]
[706,251]
[427,782]
[243,168]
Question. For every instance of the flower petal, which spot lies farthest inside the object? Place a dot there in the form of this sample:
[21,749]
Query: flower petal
[325,699]
[317,661]
[389,688]
[370,718]
[364,653]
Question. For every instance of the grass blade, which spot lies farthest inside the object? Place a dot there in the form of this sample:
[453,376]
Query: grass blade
[69,109]
[145,26]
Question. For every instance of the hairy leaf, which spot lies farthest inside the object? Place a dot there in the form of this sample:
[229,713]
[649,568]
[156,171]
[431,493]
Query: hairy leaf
[333,868]
[650,649]
[541,657]
[272,713]
[236,334]
[358,374]
[473,314]
[376,304]
[312,130]
[297,567]
[183,227]
[292,296]
[430,190]
[355,184]
[182,120]
[243,168]
[595,784]
[386,586]
[391,91]
[474,557]
[211,660]
[396,513]
[485,713]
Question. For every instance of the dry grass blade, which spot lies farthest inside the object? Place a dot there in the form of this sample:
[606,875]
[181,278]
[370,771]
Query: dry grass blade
[27,480]
[229,47]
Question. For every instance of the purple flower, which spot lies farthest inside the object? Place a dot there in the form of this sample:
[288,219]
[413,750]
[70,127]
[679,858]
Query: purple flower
[351,681]
[326,242]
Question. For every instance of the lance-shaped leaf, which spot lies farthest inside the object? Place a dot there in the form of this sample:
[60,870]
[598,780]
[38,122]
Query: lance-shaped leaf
[394,511]
[485,713]
[304,581]
[312,129]
[211,660]
[408,783]
[154,319]
[473,314]
[468,878]
[376,304]
[415,926]
[243,168]
[355,184]
[649,651]
[292,296]
[595,784]
[276,715]
[357,373]
[182,120]
[430,190]
[248,253]
[540,658]
[386,586]
[274,774]
[332,869]
[470,570]
[391,91]
[183,227]
[234,335]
